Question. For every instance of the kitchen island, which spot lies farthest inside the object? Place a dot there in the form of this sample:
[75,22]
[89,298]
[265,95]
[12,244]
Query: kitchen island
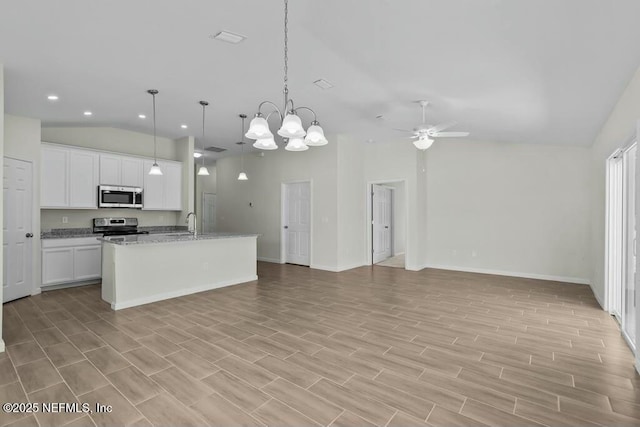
[140,269]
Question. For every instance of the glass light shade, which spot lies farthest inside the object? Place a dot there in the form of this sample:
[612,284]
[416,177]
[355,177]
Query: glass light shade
[423,143]
[197,154]
[258,128]
[291,127]
[203,171]
[242,177]
[155,170]
[266,144]
[315,136]
[296,144]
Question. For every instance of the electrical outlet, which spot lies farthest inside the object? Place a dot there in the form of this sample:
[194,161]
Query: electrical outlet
[65,219]
[161,217]
[474,253]
[454,252]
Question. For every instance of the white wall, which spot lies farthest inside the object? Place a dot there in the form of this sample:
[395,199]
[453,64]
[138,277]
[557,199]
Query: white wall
[118,141]
[351,202]
[1,196]
[263,191]
[615,133]
[184,147]
[22,142]
[522,209]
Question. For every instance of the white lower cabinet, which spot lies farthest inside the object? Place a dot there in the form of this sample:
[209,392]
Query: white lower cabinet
[71,260]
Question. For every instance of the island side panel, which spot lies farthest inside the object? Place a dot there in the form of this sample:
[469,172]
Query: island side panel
[108,272]
[146,273]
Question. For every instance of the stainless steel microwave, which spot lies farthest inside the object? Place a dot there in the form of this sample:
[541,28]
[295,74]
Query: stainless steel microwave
[111,196]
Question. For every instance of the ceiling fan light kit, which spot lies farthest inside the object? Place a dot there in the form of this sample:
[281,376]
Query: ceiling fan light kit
[424,133]
[291,128]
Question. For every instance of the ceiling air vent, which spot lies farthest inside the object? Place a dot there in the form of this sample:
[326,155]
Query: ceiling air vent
[215,149]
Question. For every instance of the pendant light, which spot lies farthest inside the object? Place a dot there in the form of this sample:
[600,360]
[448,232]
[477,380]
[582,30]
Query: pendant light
[203,171]
[242,176]
[291,129]
[155,169]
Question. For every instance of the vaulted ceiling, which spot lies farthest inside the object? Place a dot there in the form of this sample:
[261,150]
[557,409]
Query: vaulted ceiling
[533,71]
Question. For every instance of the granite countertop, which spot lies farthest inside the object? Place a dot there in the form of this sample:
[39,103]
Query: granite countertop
[69,233]
[136,239]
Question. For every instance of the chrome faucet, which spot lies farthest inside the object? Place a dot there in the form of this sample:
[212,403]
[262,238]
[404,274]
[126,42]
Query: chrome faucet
[195,223]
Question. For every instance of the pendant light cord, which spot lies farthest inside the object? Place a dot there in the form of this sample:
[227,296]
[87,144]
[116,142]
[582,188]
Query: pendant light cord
[155,145]
[242,145]
[204,105]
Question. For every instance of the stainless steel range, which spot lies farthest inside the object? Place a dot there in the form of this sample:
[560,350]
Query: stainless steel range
[116,226]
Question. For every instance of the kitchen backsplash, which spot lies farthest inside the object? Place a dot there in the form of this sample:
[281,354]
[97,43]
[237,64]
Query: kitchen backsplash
[76,218]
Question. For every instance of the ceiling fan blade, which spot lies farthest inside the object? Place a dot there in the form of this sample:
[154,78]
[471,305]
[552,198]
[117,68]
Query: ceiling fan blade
[442,126]
[450,134]
[402,130]
[413,137]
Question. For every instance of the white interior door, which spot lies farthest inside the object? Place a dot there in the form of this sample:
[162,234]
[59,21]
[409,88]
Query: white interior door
[17,189]
[297,223]
[208,212]
[381,223]
[629,285]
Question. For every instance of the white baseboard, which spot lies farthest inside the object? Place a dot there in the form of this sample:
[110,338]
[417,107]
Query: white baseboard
[324,267]
[1,345]
[272,260]
[180,293]
[35,292]
[337,269]
[566,279]
[638,365]
[598,298]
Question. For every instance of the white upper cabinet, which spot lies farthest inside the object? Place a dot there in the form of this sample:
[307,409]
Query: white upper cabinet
[69,178]
[54,171]
[83,179]
[132,172]
[121,170]
[163,192]
[110,169]
[153,190]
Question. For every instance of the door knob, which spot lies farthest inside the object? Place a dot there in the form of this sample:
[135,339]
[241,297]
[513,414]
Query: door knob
[386,226]
[286,226]
[29,235]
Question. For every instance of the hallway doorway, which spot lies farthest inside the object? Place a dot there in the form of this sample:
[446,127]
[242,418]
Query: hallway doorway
[621,240]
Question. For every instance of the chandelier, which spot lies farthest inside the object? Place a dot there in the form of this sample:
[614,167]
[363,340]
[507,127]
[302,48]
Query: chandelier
[291,129]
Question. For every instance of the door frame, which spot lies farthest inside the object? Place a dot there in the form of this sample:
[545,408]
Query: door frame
[616,235]
[393,218]
[613,231]
[369,216]
[283,189]
[202,211]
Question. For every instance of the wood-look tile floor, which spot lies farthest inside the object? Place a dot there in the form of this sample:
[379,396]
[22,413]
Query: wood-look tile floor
[301,347]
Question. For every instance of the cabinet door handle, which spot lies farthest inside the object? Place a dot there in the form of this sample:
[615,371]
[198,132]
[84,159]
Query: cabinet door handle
[29,235]
[286,226]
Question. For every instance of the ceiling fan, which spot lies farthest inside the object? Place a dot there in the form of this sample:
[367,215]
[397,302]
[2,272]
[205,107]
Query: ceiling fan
[424,133]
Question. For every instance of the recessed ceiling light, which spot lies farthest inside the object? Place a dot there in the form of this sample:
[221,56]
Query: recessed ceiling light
[52,97]
[197,155]
[183,126]
[88,113]
[226,36]
[142,116]
[323,84]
